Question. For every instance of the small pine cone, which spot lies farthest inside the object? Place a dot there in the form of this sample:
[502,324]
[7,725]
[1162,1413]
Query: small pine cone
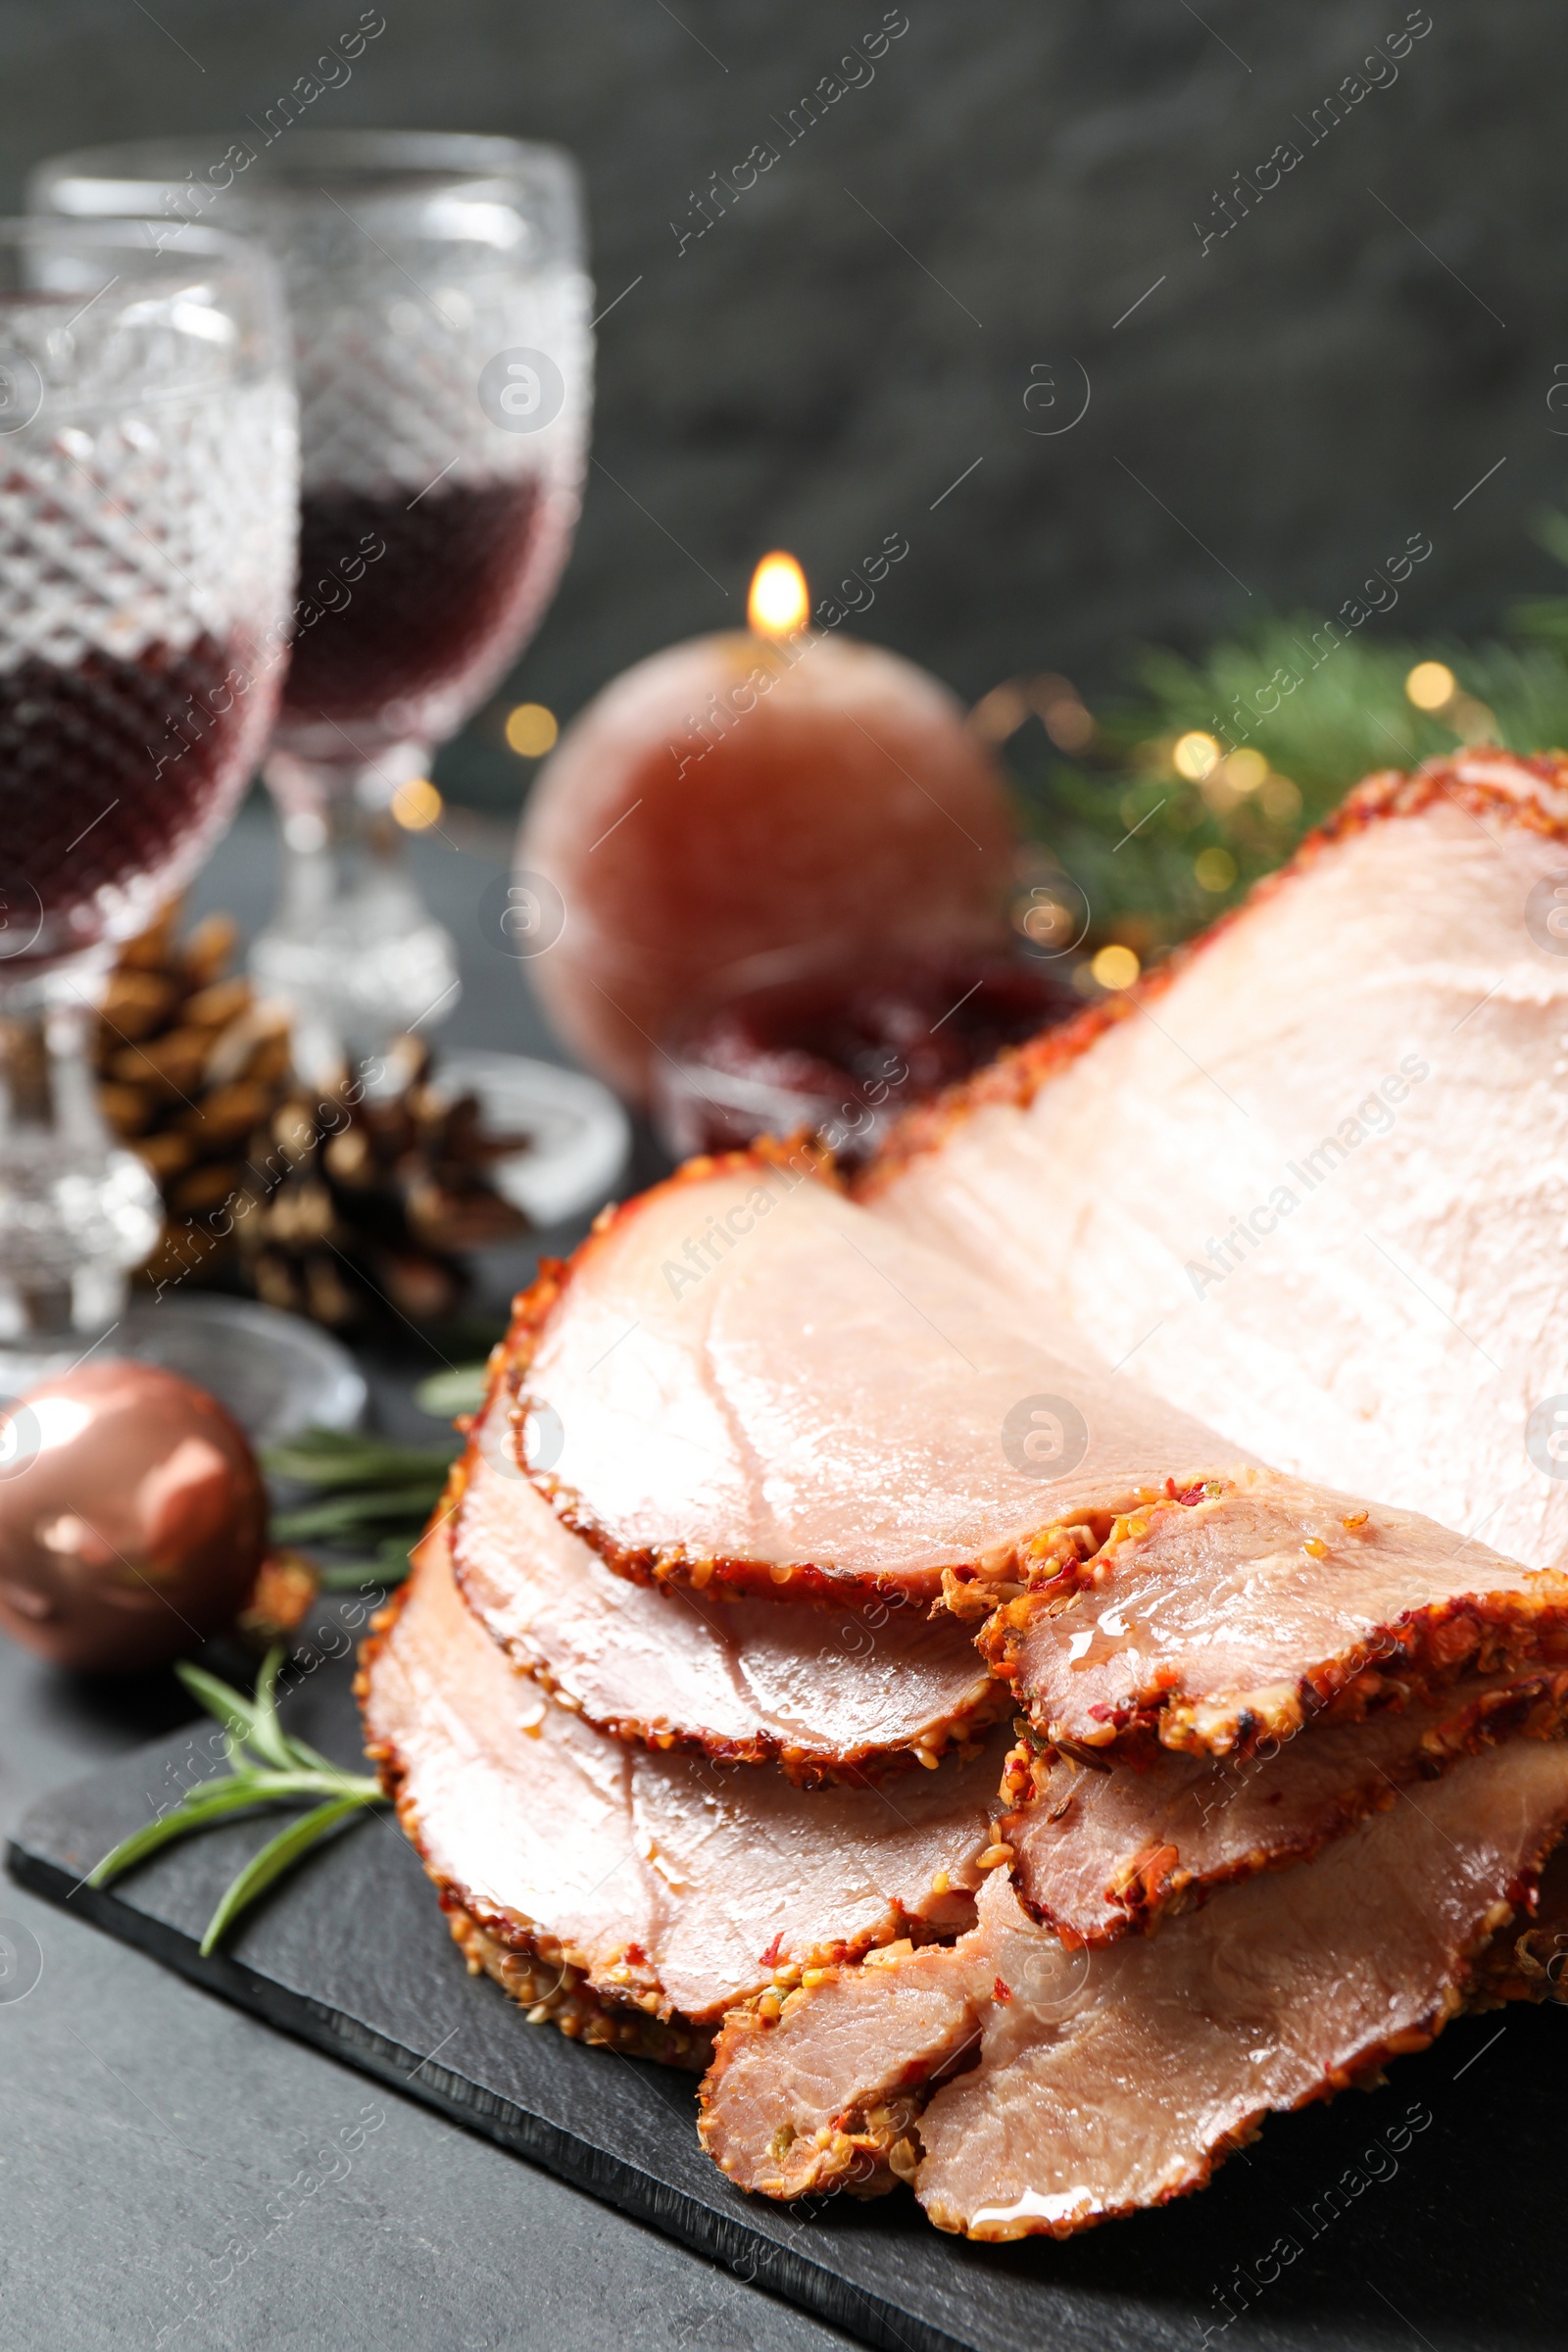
[189,1065]
[362,1208]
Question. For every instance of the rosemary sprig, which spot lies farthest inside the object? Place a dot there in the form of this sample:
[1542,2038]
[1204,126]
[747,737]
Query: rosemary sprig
[386,1566]
[362,1487]
[460,1389]
[267,1765]
[340,1514]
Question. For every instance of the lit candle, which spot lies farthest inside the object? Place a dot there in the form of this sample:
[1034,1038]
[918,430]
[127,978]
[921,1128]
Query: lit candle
[760,790]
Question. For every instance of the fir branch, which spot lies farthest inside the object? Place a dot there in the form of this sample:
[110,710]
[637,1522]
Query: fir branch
[1130,830]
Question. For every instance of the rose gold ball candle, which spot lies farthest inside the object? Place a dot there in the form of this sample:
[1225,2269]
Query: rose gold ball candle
[132,1517]
[751,791]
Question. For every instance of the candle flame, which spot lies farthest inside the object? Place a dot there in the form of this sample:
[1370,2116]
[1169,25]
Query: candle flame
[778,601]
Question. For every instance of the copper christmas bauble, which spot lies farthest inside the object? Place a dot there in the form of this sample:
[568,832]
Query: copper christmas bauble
[132,1517]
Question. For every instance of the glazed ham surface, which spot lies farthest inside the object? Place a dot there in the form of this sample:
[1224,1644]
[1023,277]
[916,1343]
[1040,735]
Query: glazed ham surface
[824,1410]
[659,1887]
[1084,2084]
[1097,1853]
[1213,1620]
[826,1692]
[1317,1178]
[812,1405]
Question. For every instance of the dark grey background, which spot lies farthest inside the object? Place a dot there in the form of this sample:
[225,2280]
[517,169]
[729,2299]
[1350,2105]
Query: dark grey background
[1293,402]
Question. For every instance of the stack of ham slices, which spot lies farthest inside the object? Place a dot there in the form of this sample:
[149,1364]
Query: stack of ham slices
[1006,1666]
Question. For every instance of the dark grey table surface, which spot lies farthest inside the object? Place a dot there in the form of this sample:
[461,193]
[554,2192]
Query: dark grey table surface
[143,2123]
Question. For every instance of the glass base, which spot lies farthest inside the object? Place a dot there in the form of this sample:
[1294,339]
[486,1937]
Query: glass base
[276,1373]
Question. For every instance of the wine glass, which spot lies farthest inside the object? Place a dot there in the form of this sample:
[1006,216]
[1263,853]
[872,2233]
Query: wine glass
[148,478]
[443,353]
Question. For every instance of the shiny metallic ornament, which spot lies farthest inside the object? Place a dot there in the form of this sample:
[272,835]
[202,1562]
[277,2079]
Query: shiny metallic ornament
[132,1517]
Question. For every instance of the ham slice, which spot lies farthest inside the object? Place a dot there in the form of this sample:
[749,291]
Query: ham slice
[1073,2085]
[633,1897]
[742,1376]
[1235,1613]
[1314,1178]
[825,1692]
[1097,1853]
[1527,1959]
[823,1408]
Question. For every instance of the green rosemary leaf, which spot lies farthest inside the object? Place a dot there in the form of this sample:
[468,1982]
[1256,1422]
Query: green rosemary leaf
[317,1438]
[213,1800]
[377,1471]
[235,1712]
[347,1514]
[267,1733]
[270,1741]
[338,1458]
[278,1855]
[251,1724]
[348,1576]
[310,1759]
[458,1389]
[387,1565]
[267,1765]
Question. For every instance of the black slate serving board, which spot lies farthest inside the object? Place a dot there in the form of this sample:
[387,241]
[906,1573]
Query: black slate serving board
[1429,2213]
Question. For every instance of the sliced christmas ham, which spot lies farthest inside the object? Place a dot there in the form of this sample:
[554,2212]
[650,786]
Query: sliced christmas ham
[630,1895]
[742,1376]
[1241,1610]
[1096,1853]
[1073,2085]
[821,1408]
[825,1692]
[1313,1179]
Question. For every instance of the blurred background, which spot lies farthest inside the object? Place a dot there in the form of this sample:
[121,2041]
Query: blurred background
[1013,208]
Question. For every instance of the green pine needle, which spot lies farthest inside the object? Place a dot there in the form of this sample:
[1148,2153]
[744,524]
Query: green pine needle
[1129,832]
[267,1765]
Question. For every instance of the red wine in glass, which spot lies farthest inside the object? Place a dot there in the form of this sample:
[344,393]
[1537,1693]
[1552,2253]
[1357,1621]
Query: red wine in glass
[111,770]
[149,466]
[437,513]
[399,598]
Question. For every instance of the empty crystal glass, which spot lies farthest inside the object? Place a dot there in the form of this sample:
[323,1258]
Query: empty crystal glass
[148,480]
[443,353]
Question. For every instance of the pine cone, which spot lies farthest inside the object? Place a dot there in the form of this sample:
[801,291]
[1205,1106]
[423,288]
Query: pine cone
[189,1065]
[350,1211]
[364,1207]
